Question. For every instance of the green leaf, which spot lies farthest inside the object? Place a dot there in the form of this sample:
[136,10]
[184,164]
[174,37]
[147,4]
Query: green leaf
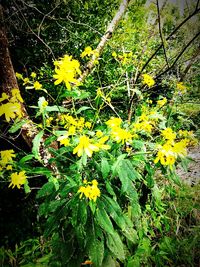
[131,172]
[96,252]
[105,168]
[117,164]
[109,262]
[130,234]
[110,189]
[27,188]
[56,108]
[26,158]
[115,212]
[103,219]
[82,109]
[16,126]
[36,145]
[42,170]
[46,190]
[115,245]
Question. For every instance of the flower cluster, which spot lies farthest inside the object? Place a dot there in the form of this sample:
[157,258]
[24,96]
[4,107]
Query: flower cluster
[170,150]
[118,134]
[66,70]
[181,87]
[30,83]
[89,52]
[124,58]
[6,159]
[147,79]
[12,109]
[90,190]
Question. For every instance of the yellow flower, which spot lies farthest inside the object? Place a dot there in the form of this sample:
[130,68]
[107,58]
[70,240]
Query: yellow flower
[6,156]
[87,52]
[85,146]
[17,179]
[114,122]
[121,135]
[4,96]
[43,104]
[168,134]
[80,122]
[181,87]
[90,191]
[9,167]
[72,130]
[33,75]
[114,54]
[26,80]
[180,148]
[165,155]
[37,85]
[16,96]
[48,121]
[99,133]
[66,69]
[88,125]
[101,143]
[64,140]
[11,111]
[147,79]
[99,93]
[162,102]
[19,76]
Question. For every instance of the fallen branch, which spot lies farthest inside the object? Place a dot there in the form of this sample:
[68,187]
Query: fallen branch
[110,29]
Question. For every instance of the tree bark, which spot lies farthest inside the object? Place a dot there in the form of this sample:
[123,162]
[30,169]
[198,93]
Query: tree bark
[8,81]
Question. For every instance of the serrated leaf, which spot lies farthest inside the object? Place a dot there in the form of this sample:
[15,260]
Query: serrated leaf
[115,245]
[16,126]
[105,168]
[130,234]
[103,219]
[115,212]
[131,171]
[96,252]
[110,189]
[117,164]
[36,145]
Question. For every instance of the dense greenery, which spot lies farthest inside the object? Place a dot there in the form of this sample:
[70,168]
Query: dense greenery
[104,157]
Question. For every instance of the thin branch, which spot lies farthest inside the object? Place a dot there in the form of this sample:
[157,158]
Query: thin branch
[197,4]
[38,37]
[110,29]
[189,63]
[160,32]
[196,11]
[180,54]
[46,15]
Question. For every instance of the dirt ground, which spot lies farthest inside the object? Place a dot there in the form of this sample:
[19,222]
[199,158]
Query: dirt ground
[192,175]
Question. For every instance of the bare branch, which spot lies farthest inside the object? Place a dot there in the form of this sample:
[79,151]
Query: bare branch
[179,55]
[196,11]
[160,32]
